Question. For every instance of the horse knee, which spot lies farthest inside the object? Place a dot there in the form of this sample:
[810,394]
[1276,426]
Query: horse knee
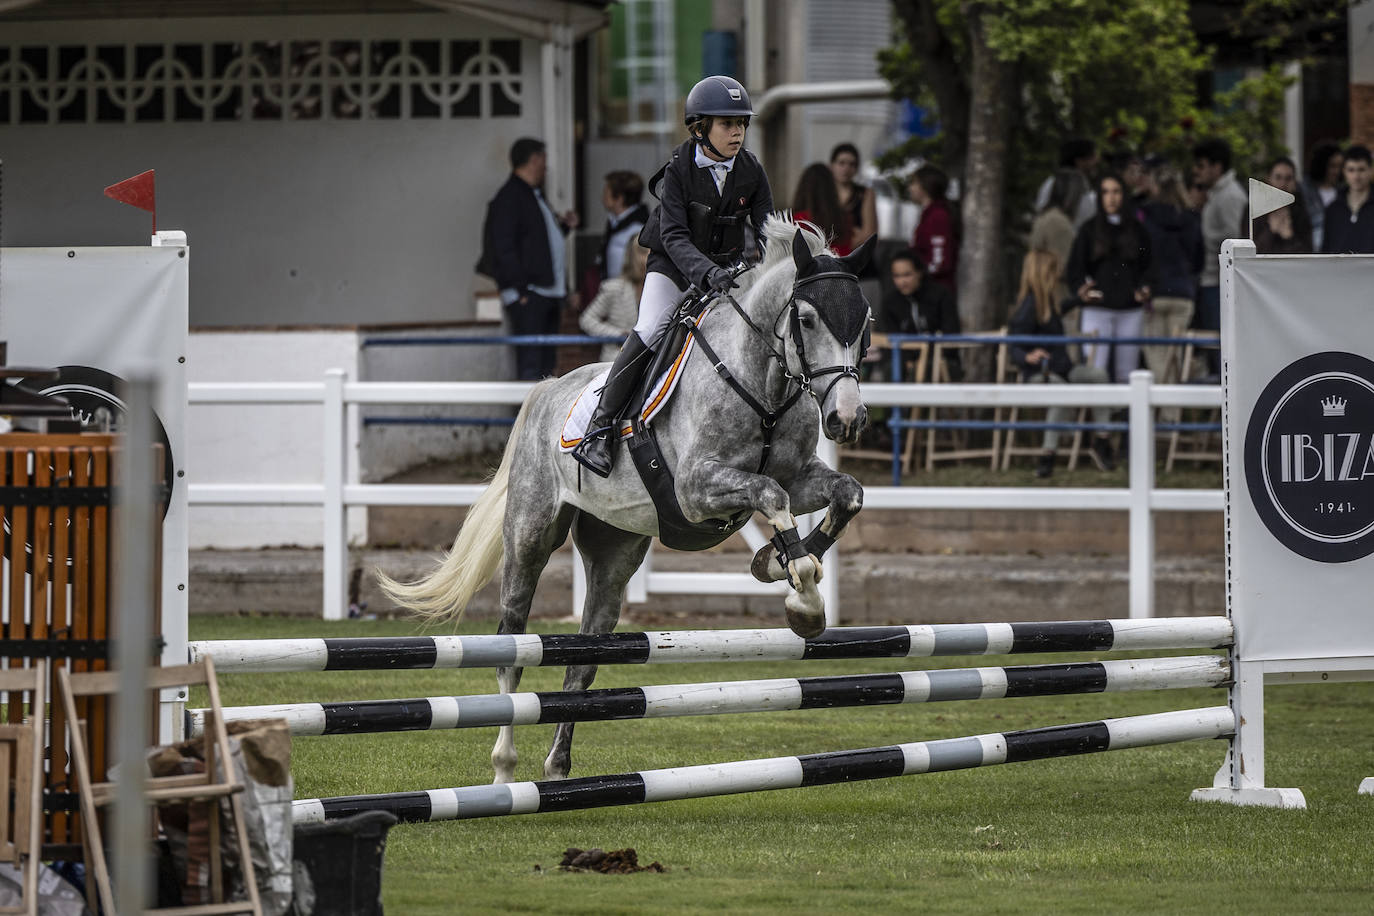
[848,495]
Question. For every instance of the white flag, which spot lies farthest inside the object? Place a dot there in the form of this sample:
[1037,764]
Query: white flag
[1265,198]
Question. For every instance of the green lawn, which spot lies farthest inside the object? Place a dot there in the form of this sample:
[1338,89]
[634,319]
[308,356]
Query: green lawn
[1109,832]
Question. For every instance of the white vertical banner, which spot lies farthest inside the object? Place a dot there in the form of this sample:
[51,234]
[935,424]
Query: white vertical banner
[1299,417]
[98,313]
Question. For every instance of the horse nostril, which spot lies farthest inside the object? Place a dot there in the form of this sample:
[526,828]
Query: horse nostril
[861,418]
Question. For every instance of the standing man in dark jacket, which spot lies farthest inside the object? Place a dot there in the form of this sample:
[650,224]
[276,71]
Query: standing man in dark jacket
[523,250]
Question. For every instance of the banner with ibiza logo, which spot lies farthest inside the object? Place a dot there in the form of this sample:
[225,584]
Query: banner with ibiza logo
[1298,342]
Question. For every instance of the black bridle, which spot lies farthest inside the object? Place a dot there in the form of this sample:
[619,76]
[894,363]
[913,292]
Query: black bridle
[802,379]
[806,376]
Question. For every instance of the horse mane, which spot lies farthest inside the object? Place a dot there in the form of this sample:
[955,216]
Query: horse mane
[778,231]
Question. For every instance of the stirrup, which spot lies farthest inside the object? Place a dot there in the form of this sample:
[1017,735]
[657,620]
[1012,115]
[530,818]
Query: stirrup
[596,451]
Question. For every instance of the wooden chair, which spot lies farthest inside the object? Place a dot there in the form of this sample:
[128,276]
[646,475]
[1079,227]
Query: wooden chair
[1011,449]
[956,447]
[1194,446]
[197,788]
[21,765]
[915,353]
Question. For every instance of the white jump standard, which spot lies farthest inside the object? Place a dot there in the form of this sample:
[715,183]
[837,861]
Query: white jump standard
[779,772]
[729,697]
[534,650]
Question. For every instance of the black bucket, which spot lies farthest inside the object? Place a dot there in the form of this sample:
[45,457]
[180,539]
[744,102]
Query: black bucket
[338,864]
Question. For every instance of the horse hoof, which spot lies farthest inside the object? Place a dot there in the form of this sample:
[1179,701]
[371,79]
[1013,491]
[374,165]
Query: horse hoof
[806,625]
[764,563]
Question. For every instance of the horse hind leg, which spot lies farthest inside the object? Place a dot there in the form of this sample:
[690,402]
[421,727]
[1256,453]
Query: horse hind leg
[529,543]
[610,557]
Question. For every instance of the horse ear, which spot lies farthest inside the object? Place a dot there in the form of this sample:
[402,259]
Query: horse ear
[858,259]
[801,253]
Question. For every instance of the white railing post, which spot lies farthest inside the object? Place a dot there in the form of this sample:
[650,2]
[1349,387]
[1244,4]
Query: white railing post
[1142,477]
[335,518]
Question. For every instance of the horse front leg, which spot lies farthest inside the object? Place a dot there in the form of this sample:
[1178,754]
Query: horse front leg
[708,489]
[817,485]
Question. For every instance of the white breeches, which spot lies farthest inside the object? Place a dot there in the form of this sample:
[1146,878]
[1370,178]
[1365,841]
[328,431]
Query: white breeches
[656,304]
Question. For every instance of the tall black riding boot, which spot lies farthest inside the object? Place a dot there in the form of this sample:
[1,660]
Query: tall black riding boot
[596,451]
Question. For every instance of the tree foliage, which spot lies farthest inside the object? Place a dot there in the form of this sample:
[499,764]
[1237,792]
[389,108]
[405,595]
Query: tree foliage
[1124,73]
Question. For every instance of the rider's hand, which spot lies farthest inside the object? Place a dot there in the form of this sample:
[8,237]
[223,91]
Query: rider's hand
[719,281]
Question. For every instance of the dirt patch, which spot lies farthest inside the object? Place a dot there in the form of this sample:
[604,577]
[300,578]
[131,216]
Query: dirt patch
[615,862]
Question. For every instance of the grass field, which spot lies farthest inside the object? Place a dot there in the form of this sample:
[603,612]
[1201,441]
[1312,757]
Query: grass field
[1110,832]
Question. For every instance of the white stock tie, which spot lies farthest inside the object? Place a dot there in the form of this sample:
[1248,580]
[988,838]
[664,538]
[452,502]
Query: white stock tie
[719,172]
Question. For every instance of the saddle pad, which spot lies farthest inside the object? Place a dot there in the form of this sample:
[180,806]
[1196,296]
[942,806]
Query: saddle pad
[580,415]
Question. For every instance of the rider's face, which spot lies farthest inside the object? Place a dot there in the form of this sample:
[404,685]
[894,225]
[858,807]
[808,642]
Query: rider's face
[727,135]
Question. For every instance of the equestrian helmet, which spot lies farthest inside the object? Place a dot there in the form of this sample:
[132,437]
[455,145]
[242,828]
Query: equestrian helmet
[716,95]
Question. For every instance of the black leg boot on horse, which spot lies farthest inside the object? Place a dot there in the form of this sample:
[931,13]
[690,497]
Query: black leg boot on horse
[596,451]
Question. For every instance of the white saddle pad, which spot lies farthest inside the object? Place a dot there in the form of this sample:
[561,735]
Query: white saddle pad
[580,415]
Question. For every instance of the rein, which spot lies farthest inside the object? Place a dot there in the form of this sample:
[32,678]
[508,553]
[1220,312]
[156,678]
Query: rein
[768,419]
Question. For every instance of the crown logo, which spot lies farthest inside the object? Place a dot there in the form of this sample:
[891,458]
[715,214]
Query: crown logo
[1333,407]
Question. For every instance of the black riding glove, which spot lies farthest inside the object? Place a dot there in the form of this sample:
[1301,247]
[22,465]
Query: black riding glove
[719,281]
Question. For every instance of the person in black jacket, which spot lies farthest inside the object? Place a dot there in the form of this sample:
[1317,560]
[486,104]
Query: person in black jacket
[1037,314]
[625,216]
[1349,221]
[1109,270]
[1176,252]
[523,250]
[710,192]
[917,305]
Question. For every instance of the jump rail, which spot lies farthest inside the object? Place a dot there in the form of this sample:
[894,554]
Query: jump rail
[535,650]
[727,697]
[779,772]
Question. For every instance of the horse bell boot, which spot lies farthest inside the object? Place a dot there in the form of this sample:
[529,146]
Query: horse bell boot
[596,451]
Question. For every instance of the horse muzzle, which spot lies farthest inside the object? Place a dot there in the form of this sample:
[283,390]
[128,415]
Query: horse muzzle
[844,427]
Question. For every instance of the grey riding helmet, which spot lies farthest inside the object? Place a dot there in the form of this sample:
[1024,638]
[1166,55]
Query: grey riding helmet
[716,95]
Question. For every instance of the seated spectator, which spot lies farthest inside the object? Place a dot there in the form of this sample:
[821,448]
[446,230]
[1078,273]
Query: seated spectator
[817,201]
[1349,220]
[918,305]
[1037,313]
[616,307]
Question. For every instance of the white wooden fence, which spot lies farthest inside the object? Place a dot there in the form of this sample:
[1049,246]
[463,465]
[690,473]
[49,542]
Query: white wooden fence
[337,397]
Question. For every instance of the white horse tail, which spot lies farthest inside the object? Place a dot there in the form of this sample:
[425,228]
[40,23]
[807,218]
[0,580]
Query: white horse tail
[475,555]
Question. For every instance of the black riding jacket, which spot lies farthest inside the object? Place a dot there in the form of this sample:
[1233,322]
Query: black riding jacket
[695,228]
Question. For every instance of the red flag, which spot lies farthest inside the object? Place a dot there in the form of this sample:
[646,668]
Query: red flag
[137,191]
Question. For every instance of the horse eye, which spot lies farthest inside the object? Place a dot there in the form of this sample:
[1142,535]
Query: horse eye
[808,322]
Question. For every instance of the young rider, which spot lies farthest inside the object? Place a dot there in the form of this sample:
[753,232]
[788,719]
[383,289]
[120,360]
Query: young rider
[710,189]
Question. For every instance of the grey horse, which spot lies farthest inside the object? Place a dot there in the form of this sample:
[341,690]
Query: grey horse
[797,311]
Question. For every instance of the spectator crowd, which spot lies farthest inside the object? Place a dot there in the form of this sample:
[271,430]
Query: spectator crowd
[1118,247]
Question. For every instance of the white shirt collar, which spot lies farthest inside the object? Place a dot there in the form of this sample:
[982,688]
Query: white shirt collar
[706,162]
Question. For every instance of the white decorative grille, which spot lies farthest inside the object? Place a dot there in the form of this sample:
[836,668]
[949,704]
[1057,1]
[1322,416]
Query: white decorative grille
[260,80]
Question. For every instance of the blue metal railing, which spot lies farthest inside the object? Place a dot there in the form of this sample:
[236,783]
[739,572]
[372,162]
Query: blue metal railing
[896,423]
